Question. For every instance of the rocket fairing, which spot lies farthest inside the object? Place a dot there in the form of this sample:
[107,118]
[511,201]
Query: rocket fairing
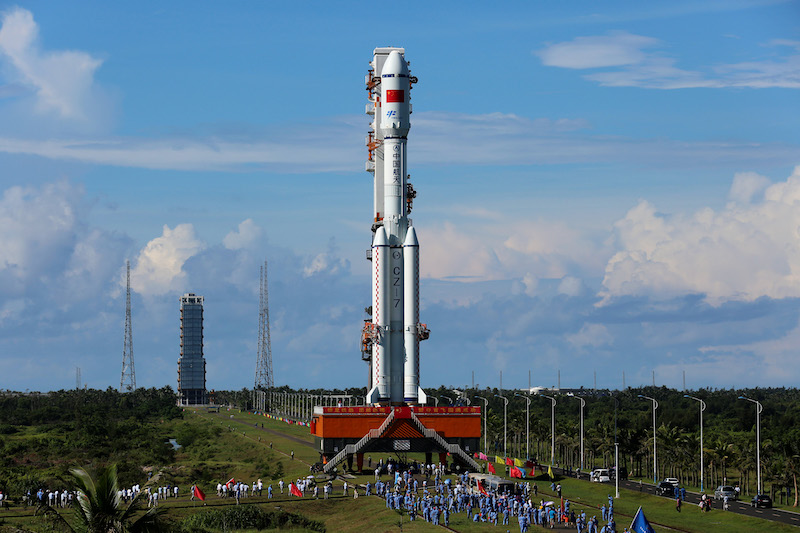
[395,330]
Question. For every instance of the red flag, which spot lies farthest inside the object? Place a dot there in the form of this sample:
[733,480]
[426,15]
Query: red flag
[198,493]
[393,95]
[231,481]
[509,461]
[491,468]
[294,491]
[480,487]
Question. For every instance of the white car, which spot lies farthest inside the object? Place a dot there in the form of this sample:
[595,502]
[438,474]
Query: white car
[600,475]
[672,481]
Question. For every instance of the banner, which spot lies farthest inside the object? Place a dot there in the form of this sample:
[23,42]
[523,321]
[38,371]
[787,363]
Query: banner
[509,461]
[498,459]
[480,487]
[198,493]
[550,472]
[519,462]
[491,468]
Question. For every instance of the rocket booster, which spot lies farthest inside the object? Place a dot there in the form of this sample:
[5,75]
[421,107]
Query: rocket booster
[395,250]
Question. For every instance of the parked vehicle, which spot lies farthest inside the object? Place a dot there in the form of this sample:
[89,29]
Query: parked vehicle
[665,489]
[600,475]
[725,490]
[761,500]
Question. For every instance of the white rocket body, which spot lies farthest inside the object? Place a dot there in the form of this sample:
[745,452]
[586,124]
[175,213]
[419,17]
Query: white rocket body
[395,249]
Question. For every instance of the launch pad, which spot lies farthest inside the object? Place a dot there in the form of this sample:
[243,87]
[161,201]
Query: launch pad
[395,419]
[345,433]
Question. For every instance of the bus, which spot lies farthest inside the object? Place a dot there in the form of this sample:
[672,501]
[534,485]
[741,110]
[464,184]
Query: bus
[490,483]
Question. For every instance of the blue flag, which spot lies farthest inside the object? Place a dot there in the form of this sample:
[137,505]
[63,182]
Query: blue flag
[640,523]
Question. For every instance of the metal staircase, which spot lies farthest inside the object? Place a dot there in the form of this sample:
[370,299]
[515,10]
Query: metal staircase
[454,449]
[351,449]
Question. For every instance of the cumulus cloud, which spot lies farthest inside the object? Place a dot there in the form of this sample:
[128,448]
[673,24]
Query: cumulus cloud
[159,266]
[39,229]
[62,81]
[327,263]
[742,252]
[636,67]
[591,336]
[245,236]
[746,185]
[54,268]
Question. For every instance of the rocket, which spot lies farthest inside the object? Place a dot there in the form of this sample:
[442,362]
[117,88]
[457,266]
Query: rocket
[395,330]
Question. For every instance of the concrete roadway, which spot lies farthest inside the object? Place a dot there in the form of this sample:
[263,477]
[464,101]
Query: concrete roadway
[741,507]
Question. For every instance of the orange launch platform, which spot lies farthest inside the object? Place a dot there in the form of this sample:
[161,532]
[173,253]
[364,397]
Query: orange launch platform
[342,433]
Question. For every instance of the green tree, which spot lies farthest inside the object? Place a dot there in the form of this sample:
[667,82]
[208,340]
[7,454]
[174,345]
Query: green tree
[100,508]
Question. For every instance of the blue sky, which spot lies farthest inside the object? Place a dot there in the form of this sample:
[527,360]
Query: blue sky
[602,187]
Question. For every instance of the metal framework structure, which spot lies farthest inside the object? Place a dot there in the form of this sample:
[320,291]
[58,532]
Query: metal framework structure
[264,379]
[127,381]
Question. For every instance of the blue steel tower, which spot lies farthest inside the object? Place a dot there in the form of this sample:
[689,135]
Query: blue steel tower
[192,364]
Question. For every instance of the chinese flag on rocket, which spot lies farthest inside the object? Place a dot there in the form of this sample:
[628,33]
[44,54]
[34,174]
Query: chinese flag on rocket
[395,96]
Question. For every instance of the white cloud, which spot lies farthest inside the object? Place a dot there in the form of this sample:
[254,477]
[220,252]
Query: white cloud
[653,70]
[62,81]
[742,252]
[159,267]
[746,185]
[591,336]
[440,138]
[38,229]
[245,236]
[614,50]
[327,263]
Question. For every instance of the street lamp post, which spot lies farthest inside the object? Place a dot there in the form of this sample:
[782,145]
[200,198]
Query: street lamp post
[583,404]
[527,424]
[552,428]
[485,411]
[759,408]
[505,422]
[702,408]
[655,464]
[449,399]
[436,400]
[616,449]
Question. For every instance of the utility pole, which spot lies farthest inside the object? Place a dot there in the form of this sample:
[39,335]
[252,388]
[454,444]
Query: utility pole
[127,381]
[485,412]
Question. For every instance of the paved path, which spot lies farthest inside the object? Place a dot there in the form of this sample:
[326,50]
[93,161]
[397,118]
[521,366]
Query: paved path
[741,507]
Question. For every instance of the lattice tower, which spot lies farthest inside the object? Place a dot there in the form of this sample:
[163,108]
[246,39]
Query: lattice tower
[127,382]
[264,378]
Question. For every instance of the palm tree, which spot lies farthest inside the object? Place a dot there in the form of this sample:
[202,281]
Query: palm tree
[100,508]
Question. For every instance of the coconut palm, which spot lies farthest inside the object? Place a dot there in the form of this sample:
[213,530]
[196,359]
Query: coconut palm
[100,508]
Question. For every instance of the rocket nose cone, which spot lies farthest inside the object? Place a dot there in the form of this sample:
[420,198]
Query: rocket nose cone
[380,237]
[395,64]
[411,237]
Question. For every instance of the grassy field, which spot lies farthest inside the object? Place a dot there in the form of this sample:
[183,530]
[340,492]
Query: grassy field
[218,447]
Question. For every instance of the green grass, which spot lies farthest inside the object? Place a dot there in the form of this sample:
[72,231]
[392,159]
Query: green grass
[222,448]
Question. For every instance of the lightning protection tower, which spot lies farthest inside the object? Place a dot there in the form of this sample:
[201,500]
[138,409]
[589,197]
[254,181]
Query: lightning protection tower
[127,382]
[264,379]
